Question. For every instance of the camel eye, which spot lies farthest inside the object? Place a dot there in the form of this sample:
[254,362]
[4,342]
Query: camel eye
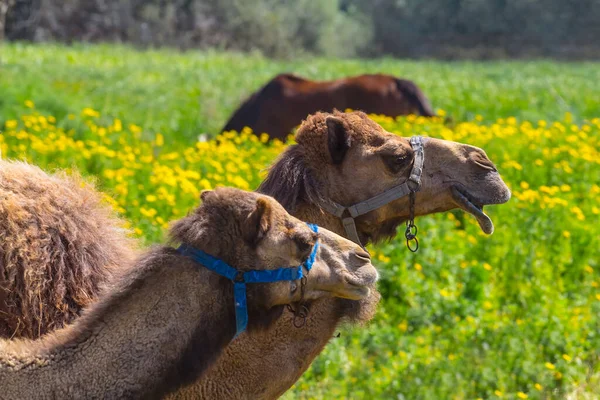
[304,247]
[395,162]
[304,243]
[401,159]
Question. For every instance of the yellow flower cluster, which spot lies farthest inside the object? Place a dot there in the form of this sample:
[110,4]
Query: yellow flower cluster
[149,182]
[155,181]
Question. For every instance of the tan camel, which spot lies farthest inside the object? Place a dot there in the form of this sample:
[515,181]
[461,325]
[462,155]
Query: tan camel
[59,244]
[345,158]
[169,317]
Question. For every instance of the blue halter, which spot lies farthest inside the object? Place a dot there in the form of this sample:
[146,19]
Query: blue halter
[240,278]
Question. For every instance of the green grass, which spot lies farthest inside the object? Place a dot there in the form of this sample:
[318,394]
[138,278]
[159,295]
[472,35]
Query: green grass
[468,316]
[186,94]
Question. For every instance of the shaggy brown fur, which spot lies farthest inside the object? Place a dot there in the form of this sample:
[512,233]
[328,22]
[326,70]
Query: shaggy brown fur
[169,318]
[347,158]
[59,244]
[286,99]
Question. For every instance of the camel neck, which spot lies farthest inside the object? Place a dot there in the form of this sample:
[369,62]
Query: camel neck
[313,214]
[167,322]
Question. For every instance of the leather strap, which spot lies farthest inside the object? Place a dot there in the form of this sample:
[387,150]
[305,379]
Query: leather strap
[412,184]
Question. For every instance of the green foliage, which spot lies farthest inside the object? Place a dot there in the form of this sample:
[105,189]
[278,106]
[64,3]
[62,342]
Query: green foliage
[276,28]
[513,315]
[458,29]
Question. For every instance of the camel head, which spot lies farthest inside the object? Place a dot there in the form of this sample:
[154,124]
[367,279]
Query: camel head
[250,231]
[347,158]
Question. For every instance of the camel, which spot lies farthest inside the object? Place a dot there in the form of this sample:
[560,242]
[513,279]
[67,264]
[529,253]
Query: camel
[166,320]
[59,244]
[345,158]
[285,100]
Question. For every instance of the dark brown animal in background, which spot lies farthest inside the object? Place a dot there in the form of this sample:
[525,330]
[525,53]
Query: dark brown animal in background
[287,99]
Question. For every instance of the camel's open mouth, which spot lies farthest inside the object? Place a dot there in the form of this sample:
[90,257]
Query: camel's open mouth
[354,292]
[473,207]
[358,286]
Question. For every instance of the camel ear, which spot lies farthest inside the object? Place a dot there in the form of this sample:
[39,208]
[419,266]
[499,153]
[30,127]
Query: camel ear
[204,194]
[338,139]
[258,222]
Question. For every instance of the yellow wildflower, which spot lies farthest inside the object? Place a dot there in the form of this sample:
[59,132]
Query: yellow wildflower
[558,375]
[589,269]
[134,129]
[90,112]
[160,140]
[117,125]
[10,124]
[150,213]
[522,395]
[403,326]
[29,104]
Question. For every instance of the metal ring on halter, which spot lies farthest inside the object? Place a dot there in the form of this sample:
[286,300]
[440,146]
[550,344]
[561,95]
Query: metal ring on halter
[411,231]
[416,245]
[300,316]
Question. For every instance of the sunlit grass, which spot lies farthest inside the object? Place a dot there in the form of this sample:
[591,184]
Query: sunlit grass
[186,94]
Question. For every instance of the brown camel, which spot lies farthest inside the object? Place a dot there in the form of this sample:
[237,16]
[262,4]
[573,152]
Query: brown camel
[164,322]
[285,100]
[345,158]
[59,243]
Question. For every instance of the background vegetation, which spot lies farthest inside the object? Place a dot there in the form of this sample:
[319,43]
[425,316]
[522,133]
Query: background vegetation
[514,315]
[449,29]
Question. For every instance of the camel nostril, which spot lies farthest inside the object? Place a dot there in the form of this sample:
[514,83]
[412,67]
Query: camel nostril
[480,159]
[363,255]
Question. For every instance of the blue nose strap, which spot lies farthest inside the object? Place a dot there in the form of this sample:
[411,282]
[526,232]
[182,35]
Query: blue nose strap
[240,279]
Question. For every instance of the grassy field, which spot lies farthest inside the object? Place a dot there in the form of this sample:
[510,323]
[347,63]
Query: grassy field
[191,93]
[513,315]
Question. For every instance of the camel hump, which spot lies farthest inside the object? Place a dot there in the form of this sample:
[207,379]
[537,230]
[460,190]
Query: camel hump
[415,96]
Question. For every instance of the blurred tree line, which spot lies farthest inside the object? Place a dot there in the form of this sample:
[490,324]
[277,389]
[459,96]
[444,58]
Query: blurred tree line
[341,28]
